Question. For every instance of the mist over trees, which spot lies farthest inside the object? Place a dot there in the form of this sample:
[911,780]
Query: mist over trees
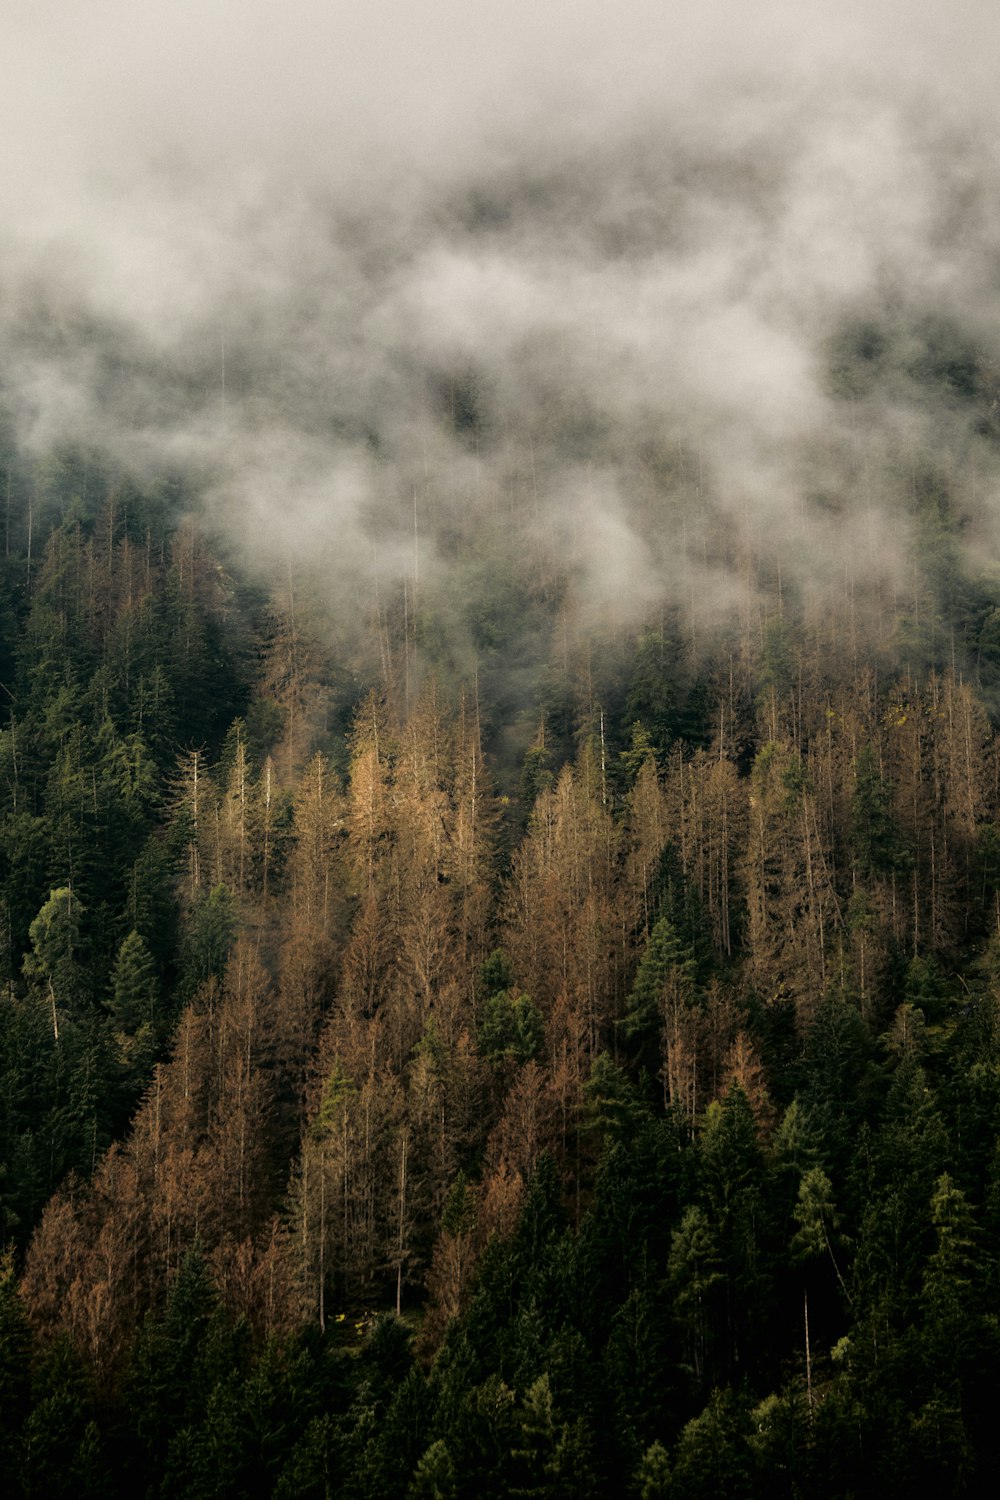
[499,771]
[365,1122]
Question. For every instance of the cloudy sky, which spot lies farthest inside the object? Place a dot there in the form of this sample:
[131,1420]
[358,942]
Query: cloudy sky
[93,93]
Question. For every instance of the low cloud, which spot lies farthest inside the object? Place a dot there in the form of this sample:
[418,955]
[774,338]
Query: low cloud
[657,294]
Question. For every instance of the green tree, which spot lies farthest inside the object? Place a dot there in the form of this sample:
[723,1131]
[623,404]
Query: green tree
[665,979]
[434,1476]
[15,1366]
[510,1028]
[211,931]
[819,1224]
[652,1476]
[54,960]
[876,841]
[134,987]
[733,1190]
[712,1457]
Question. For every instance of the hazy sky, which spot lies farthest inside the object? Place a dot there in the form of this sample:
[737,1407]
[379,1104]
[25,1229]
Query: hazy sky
[91,93]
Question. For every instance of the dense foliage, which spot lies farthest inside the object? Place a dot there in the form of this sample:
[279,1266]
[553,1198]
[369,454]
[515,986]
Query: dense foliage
[369,1131]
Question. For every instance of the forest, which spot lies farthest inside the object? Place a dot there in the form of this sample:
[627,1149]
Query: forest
[573,1076]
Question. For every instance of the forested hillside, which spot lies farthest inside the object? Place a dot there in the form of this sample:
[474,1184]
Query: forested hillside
[573,1075]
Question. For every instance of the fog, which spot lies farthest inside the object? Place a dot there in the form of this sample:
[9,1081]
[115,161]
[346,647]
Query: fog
[671,301]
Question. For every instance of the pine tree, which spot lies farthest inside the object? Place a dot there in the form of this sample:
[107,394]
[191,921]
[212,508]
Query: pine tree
[134,990]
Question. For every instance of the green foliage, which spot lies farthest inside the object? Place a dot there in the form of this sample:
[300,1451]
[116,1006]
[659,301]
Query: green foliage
[611,1104]
[675,897]
[652,1477]
[634,1316]
[134,986]
[953,1267]
[925,989]
[459,1213]
[55,947]
[553,1455]
[666,970]
[536,772]
[510,1028]
[696,1278]
[338,1089]
[497,973]
[712,1456]
[134,1011]
[797,1143]
[15,1365]
[875,837]
[641,750]
[62,1454]
[652,695]
[776,669]
[815,1215]
[434,1476]
[841,1083]
[211,931]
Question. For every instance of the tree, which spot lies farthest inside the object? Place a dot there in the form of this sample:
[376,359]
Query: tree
[733,1192]
[192,804]
[15,1357]
[510,1029]
[792,904]
[875,837]
[133,1007]
[818,1222]
[434,1476]
[652,1477]
[552,1456]
[453,1260]
[694,1271]
[211,930]
[712,1456]
[664,984]
[55,948]
[960,1340]
[164,1387]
